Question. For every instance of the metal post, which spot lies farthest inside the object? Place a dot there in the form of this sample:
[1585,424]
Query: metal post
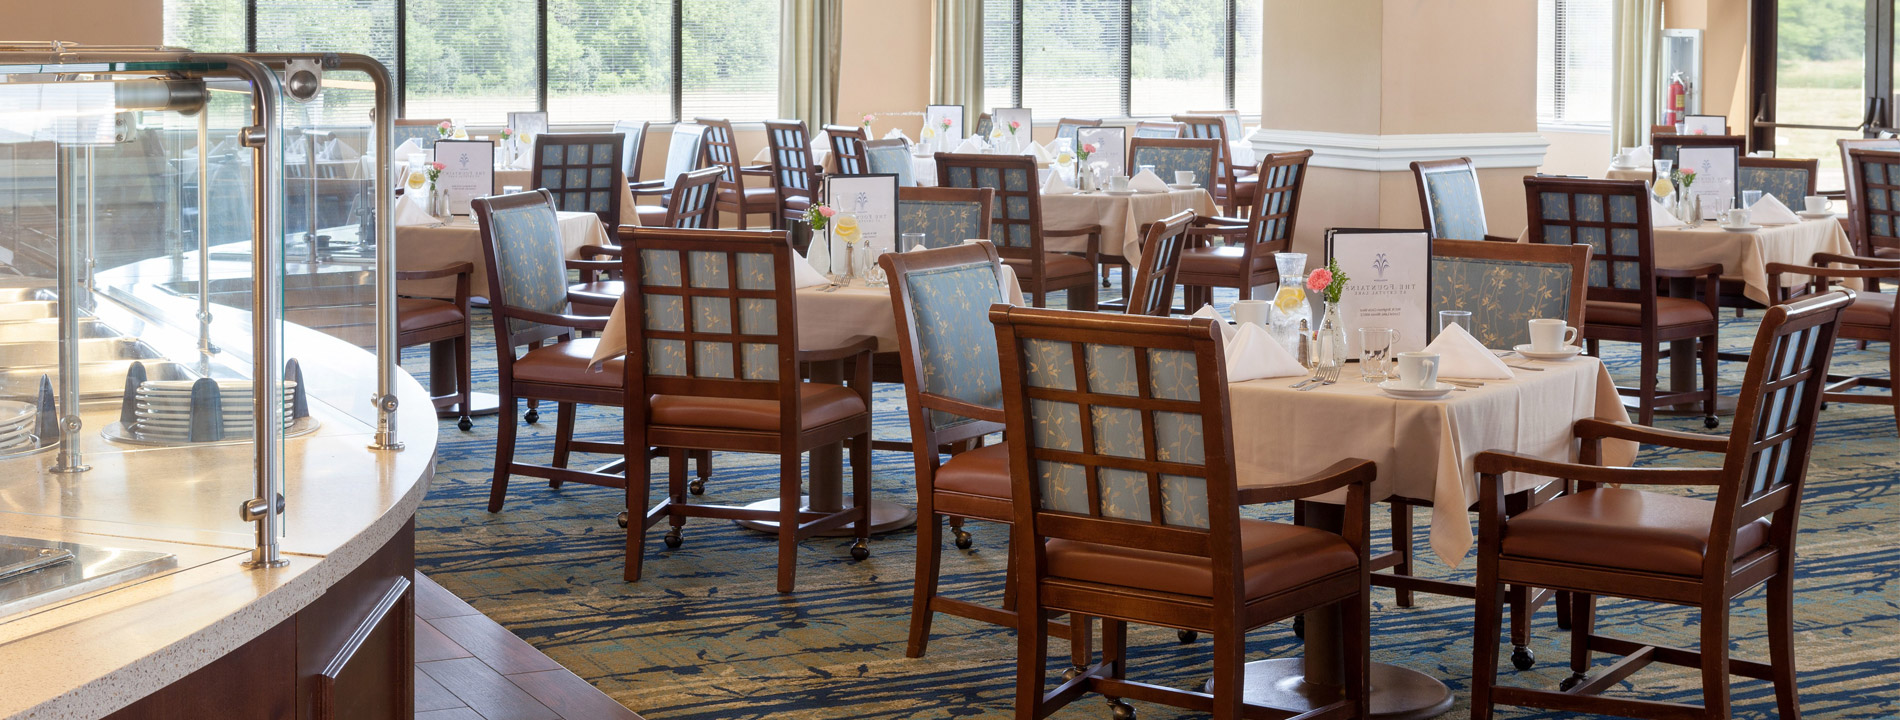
[266,137]
[205,347]
[387,353]
[70,458]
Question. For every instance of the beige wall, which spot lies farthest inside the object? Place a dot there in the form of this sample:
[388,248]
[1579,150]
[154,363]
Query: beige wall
[92,22]
[1458,66]
[1577,153]
[1725,53]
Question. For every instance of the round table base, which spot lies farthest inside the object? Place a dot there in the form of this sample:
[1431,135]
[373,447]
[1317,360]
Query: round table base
[1397,693]
[480,403]
[1724,405]
[885,517]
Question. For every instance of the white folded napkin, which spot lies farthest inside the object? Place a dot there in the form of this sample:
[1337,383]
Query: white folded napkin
[336,149]
[971,144]
[1461,356]
[918,247]
[1226,331]
[410,211]
[803,274]
[1042,153]
[897,133]
[1660,217]
[1770,211]
[1147,181]
[1254,354]
[1057,186]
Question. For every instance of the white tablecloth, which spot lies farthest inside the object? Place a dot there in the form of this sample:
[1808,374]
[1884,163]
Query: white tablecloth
[1745,255]
[1121,218]
[1616,173]
[427,247]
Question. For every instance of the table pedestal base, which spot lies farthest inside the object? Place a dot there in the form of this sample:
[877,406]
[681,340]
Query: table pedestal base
[885,517]
[1397,693]
[480,403]
[442,377]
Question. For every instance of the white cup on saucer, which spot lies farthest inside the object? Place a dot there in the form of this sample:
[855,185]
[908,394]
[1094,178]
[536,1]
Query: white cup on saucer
[1118,183]
[1250,311]
[1815,204]
[1735,217]
[1184,177]
[1550,335]
[1418,370]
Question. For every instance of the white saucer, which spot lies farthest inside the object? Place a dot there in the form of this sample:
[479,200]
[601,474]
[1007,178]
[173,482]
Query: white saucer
[1118,193]
[1614,166]
[1568,352]
[1392,388]
[1822,215]
[1740,228]
[1184,186]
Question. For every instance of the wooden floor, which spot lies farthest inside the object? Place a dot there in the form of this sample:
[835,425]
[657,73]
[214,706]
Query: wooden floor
[469,667]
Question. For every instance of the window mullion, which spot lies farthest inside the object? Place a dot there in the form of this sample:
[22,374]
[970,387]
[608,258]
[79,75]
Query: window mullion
[1233,50]
[401,90]
[541,55]
[1016,86]
[679,62]
[1128,55]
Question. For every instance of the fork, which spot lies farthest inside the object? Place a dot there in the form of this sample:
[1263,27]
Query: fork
[1327,376]
[1314,378]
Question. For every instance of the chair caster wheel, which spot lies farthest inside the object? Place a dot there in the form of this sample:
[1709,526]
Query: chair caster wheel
[465,424]
[964,540]
[1299,626]
[861,549]
[696,487]
[1187,637]
[1121,710]
[1711,422]
[533,416]
[1522,658]
[673,539]
[621,520]
[1570,682]
[1071,674]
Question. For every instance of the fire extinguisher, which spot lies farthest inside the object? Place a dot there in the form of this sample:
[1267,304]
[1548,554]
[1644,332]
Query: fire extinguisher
[1678,100]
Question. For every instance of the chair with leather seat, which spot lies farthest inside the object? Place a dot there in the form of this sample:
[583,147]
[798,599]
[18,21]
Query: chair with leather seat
[714,364]
[1066,128]
[1851,192]
[795,177]
[946,216]
[421,320]
[1152,292]
[1623,303]
[891,157]
[685,152]
[582,171]
[1876,207]
[1168,156]
[1243,259]
[1790,180]
[528,296]
[1450,201]
[722,151]
[847,149]
[689,206]
[1128,509]
[1234,186]
[1872,317]
[422,130]
[632,147]
[1016,226]
[1613,536]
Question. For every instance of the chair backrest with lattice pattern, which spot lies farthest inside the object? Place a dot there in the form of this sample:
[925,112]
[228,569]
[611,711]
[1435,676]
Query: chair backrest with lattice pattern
[1612,217]
[582,170]
[1016,209]
[713,315]
[1152,293]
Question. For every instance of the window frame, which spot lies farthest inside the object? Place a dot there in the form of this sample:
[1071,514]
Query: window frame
[1127,58]
[1877,80]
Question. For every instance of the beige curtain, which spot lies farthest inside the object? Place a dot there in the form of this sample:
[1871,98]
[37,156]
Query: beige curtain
[1636,54]
[809,31]
[956,63]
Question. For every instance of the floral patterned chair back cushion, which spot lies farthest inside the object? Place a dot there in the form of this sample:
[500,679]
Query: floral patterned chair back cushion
[984,124]
[891,159]
[709,312]
[583,172]
[425,135]
[956,346]
[1456,205]
[943,222]
[1176,155]
[684,149]
[532,273]
[1614,223]
[1502,295]
[1012,219]
[1067,130]
[1787,184]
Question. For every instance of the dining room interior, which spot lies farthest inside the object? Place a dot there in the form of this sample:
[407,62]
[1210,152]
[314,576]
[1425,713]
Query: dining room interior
[694,359]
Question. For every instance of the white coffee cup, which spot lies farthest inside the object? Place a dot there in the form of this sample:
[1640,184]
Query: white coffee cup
[1184,177]
[1816,204]
[1251,311]
[1418,370]
[1735,217]
[1762,154]
[1550,335]
[1118,183]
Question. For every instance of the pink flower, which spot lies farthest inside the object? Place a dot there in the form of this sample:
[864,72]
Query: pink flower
[827,211]
[439,166]
[868,118]
[1088,148]
[1319,279]
[1013,124]
[507,131]
[946,123]
[1699,131]
[445,125]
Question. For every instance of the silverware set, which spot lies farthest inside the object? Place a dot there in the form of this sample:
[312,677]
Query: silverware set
[1322,376]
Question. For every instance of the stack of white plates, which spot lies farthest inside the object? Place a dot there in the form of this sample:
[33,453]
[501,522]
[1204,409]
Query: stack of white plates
[164,409]
[16,426]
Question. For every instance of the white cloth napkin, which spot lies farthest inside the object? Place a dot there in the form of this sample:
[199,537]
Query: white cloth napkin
[919,247]
[897,133]
[1226,331]
[410,211]
[970,145]
[1770,211]
[1660,217]
[1057,186]
[804,275]
[1148,182]
[1254,354]
[1042,153]
[1461,356]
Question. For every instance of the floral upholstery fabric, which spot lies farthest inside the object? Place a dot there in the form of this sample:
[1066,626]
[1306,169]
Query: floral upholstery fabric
[1168,160]
[1789,185]
[528,259]
[1457,208]
[1156,132]
[706,322]
[891,161]
[1616,252]
[943,222]
[1502,295]
[424,135]
[956,345]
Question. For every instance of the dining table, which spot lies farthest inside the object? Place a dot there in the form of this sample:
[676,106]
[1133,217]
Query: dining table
[1121,217]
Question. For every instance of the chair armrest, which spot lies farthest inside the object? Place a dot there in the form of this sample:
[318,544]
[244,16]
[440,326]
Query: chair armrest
[1496,462]
[1340,474]
[860,345]
[1092,249]
[650,187]
[1594,429]
[1499,238]
[592,252]
[578,322]
[598,300]
[459,268]
[1861,260]
[594,265]
[765,170]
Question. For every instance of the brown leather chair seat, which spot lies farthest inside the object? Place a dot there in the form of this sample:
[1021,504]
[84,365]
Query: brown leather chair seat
[1222,259]
[414,314]
[1887,252]
[753,195]
[600,289]
[1624,529]
[1669,311]
[566,364]
[1057,265]
[983,471]
[822,404]
[797,202]
[1273,557]
[651,215]
[1870,310]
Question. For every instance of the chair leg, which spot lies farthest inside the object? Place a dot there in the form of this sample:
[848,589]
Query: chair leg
[464,380]
[1355,617]
[1032,656]
[1710,347]
[1115,655]
[929,564]
[1084,296]
[1402,545]
[639,487]
[1646,404]
[703,459]
[1583,618]
[1519,597]
[861,494]
[1715,675]
[1893,377]
[1484,640]
[504,452]
[563,437]
[1081,640]
[1781,640]
[1009,579]
[791,483]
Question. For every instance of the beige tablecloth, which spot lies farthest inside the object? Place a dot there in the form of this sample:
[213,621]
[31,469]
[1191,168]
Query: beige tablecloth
[629,212]
[1616,173]
[1121,217]
[426,247]
[1745,255]
[1423,448]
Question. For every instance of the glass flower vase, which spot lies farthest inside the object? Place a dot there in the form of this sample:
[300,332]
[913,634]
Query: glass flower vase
[1329,344]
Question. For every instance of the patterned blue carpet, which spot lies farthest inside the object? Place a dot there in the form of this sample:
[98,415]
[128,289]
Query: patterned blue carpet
[705,636]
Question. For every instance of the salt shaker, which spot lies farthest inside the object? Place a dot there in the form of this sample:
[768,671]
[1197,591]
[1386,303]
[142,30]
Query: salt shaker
[1305,351]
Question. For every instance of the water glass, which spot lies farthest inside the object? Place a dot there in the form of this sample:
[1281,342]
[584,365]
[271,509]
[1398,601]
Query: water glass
[1749,197]
[1375,353]
[1448,318]
[911,241]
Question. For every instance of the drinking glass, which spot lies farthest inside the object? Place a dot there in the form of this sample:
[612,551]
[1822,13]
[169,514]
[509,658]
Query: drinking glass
[910,241]
[1448,318]
[1749,197]
[1375,353]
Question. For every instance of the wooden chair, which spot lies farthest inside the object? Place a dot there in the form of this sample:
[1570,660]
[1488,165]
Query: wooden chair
[1127,509]
[713,363]
[1229,116]
[685,152]
[527,286]
[691,207]
[1852,190]
[794,176]
[633,145]
[1623,303]
[1016,226]
[1873,316]
[722,151]
[1667,146]
[984,124]
[1244,259]
[1877,201]
[426,321]
[1234,189]
[1450,200]
[847,148]
[1790,180]
[1152,293]
[1610,537]
[890,157]
[1067,127]
[946,216]
[421,130]
[582,171]
[1171,155]
[1156,129]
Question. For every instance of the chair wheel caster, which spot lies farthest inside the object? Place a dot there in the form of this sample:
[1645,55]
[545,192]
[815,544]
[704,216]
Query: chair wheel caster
[1711,422]
[1071,674]
[861,549]
[1570,682]
[1121,710]
[1522,658]
[533,416]
[621,520]
[696,487]
[673,539]
[1187,636]
[964,540]
[465,424]
[1299,626]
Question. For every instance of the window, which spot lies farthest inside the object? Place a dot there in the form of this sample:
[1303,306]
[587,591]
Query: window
[584,61]
[1573,62]
[1121,58]
[1829,63]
